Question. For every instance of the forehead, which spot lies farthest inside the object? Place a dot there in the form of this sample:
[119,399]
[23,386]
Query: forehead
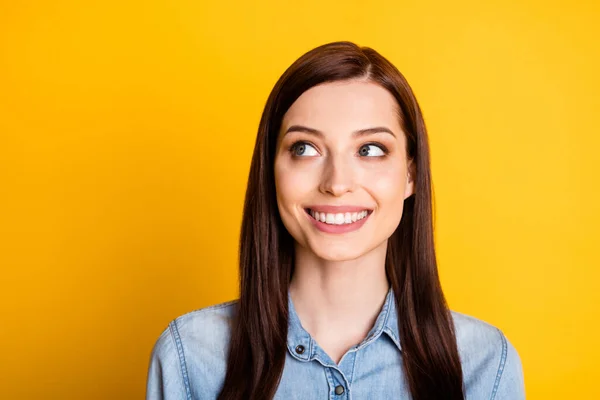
[344,106]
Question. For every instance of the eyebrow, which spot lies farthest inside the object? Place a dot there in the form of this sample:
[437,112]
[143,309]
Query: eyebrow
[360,132]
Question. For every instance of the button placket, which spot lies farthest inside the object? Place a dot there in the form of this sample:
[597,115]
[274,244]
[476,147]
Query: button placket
[338,384]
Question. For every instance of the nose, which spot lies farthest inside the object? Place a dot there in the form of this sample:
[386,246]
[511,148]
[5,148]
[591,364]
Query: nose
[338,177]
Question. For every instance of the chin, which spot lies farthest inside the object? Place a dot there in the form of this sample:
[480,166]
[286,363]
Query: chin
[341,252]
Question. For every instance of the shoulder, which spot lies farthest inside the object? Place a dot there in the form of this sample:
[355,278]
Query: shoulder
[491,365]
[473,334]
[191,352]
[208,322]
[205,326]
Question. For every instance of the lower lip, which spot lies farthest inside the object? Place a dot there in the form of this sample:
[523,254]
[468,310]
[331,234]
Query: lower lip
[344,228]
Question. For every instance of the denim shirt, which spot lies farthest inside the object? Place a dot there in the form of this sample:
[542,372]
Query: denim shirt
[189,360]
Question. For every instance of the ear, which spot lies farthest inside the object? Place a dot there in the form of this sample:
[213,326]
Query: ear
[409,188]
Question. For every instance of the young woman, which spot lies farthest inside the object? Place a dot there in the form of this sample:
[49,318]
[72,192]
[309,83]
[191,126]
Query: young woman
[339,296]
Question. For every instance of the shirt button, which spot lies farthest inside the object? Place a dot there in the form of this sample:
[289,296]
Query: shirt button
[299,349]
[339,389]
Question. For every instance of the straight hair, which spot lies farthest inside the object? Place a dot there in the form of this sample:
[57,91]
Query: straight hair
[257,351]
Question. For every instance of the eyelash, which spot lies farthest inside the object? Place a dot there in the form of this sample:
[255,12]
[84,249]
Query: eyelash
[294,145]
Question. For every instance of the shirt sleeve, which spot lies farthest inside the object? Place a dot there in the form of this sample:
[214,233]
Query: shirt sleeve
[510,374]
[165,378]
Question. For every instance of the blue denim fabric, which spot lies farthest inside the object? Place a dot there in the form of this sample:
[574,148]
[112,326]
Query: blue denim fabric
[189,360]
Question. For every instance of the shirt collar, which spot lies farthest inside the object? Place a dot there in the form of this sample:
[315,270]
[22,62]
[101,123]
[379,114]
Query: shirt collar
[303,347]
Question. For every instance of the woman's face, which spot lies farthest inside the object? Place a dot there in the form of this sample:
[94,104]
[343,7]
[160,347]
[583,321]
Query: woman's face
[341,172]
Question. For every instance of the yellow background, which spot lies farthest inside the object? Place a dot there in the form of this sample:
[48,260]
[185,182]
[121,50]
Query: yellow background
[126,131]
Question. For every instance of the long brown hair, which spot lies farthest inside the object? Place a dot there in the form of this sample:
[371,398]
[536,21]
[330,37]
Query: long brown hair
[258,341]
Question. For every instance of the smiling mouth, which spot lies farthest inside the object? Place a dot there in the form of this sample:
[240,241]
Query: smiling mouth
[347,218]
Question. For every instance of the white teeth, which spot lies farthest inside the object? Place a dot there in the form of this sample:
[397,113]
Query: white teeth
[338,218]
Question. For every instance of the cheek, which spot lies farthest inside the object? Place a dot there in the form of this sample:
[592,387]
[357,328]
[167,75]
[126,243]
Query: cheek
[292,185]
[386,184]
[293,188]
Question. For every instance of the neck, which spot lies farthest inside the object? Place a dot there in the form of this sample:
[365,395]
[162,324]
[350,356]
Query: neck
[338,301]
